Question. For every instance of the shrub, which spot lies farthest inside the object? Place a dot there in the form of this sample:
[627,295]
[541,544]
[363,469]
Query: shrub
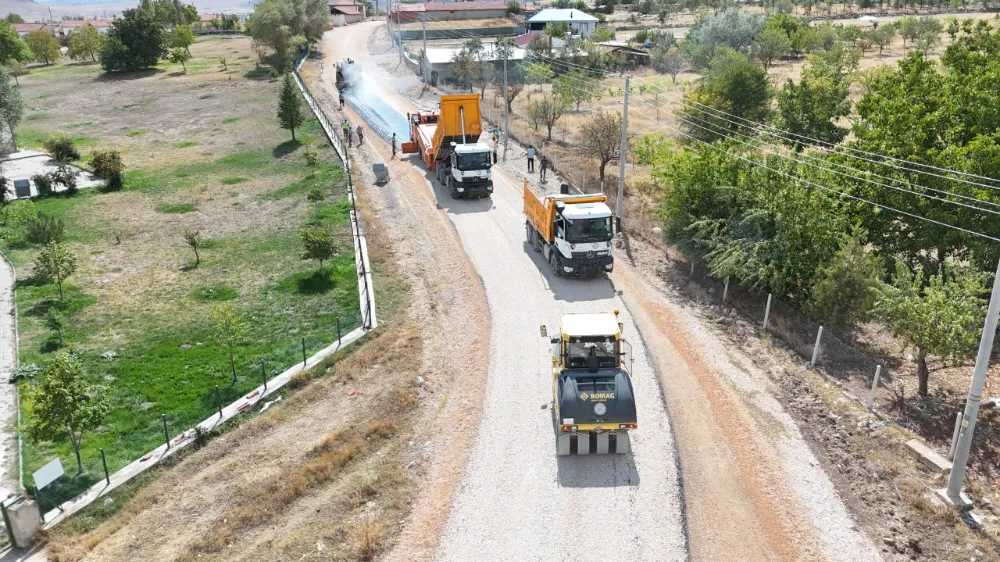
[62,148]
[43,183]
[316,194]
[65,175]
[108,164]
[311,156]
[43,229]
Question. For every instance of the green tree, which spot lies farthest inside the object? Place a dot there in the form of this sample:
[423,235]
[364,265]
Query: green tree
[14,18]
[64,404]
[812,107]
[43,229]
[55,320]
[231,330]
[599,138]
[466,68]
[881,36]
[193,238]
[538,73]
[668,61]
[180,55]
[55,263]
[11,45]
[181,37]
[16,68]
[953,27]
[549,110]
[134,42]
[279,24]
[318,244]
[602,34]
[732,27]
[290,113]
[11,104]
[557,30]
[575,87]
[771,44]
[733,84]
[85,43]
[62,147]
[45,46]
[939,314]
[844,290]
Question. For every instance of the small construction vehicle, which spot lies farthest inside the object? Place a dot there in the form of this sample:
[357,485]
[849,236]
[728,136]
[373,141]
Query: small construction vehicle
[448,142]
[343,71]
[593,402]
[573,232]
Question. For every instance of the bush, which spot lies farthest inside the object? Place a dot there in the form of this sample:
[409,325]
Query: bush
[315,195]
[43,183]
[62,148]
[65,175]
[311,156]
[43,229]
[108,164]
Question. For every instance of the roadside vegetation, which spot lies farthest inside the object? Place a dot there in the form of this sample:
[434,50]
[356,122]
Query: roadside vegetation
[185,271]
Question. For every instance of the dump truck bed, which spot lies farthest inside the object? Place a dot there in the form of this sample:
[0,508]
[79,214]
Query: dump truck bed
[542,212]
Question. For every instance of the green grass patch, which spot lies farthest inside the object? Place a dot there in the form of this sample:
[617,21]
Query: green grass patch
[234,181]
[44,97]
[204,84]
[135,134]
[215,293]
[229,120]
[207,97]
[177,208]
[78,125]
[33,138]
[185,144]
[36,116]
[324,178]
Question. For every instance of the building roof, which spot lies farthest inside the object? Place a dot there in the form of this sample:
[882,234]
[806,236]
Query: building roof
[586,325]
[523,40]
[452,6]
[205,18]
[29,27]
[346,10]
[72,24]
[561,15]
[445,55]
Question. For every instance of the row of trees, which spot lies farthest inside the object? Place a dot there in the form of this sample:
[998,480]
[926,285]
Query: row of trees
[284,26]
[776,219]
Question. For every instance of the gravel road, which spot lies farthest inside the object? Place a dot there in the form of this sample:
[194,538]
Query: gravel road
[517,501]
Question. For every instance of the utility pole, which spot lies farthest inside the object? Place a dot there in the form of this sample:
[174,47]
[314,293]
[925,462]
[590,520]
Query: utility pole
[954,489]
[506,122]
[621,156]
[426,60]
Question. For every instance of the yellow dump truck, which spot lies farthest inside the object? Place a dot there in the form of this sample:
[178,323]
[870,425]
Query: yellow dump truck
[448,142]
[573,232]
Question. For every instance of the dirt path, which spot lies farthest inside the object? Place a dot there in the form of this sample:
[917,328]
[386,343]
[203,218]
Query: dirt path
[536,501]
[8,392]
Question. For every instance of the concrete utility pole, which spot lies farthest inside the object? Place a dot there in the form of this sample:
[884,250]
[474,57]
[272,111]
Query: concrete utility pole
[426,60]
[954,489]
[622,152]
[506,122]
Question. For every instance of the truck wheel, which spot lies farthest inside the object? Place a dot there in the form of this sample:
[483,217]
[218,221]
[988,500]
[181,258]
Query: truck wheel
[529,234]
[538,242]
[554,264]
[451,188]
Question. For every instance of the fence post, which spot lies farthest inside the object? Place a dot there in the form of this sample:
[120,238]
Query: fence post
[263,374]
[166,435]
[338,329]
[104,461]
[767,310]
[819,335]
[218,400]
[871,393]
[303,350]
[725,290]
[954,436]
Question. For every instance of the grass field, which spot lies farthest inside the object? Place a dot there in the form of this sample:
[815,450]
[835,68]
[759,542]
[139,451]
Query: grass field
[204,152]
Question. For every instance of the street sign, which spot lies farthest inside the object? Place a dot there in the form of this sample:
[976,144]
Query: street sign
[48,474]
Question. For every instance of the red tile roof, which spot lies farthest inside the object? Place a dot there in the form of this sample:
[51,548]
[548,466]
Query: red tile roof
[29,27]
[347,10]
[80,23]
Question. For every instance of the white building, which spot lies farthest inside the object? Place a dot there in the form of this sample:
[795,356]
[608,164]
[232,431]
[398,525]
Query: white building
[580,23]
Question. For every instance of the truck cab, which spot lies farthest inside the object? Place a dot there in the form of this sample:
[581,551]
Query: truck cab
[593,398]
[468,171]
[573,232]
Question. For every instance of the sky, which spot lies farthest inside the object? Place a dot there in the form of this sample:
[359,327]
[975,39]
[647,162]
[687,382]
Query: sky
[32,11]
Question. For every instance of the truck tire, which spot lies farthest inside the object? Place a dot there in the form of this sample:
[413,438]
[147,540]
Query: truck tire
[529,233]
[451,188]
[538,242]
[554,264]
